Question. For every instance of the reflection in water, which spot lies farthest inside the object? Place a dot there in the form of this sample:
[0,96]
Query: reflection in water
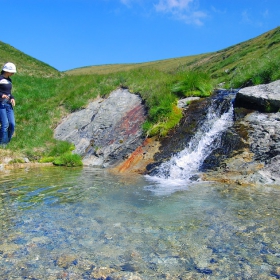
[58,223]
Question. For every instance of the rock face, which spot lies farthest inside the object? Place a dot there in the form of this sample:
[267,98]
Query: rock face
[263,129]
[107,131]
[258,161]
[183,103]
[264,98]
[250,149]
[264,142]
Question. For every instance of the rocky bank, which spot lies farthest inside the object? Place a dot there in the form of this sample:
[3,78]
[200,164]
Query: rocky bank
[257,127]
[108,133]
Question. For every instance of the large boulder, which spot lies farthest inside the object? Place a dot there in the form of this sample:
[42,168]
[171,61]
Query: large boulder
[107,131]
[264,140]
[257,163]
[264,98]
[263,128]
[258,160]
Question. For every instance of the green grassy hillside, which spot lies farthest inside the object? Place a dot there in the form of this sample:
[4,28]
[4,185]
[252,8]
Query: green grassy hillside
[44,95]
[257,60]
[26,65]
[234,65]
[167,65]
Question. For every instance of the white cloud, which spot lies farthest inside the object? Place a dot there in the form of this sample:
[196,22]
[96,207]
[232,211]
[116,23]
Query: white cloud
[246,17]
[265,14]
[171,5]
[125,2]
[217,10]
[251,20]
[131,2]
[182,10]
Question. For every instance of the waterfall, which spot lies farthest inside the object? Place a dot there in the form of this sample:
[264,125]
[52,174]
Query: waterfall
[178,173]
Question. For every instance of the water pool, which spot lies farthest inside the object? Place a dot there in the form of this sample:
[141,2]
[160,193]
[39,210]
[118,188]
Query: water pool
[63,223]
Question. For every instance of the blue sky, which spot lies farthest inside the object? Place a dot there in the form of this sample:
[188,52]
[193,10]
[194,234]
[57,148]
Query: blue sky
[68,34]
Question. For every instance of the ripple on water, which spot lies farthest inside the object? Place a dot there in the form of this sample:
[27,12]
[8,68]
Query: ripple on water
[58,223]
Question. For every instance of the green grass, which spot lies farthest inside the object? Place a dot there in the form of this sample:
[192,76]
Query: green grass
[44,95]
[167,65]
[222,66]
[193,84]
[69,160]
[26,65]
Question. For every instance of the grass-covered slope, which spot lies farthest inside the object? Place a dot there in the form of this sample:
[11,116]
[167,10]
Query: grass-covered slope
[167,65]
[26,65]
[257,59]
[44,95]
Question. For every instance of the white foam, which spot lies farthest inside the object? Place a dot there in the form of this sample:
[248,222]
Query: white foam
[176,174]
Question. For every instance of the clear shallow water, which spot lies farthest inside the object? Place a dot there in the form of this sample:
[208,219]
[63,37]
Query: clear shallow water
[58,223]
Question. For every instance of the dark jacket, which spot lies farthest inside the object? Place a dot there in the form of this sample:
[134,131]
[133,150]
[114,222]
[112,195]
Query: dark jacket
[5,87]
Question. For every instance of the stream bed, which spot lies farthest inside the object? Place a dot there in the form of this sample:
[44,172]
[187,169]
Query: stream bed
[64,223]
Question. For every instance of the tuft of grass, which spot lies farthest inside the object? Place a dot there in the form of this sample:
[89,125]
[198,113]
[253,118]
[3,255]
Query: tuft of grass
[61,147]
[47,159]
[61,154]
[161,128]
[69,160]
[266,73]
[193,83]
[16,160]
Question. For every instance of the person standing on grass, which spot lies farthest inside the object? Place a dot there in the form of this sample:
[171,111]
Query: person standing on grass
[7,102]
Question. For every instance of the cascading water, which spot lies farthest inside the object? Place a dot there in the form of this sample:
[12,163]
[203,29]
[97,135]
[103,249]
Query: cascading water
[177,173]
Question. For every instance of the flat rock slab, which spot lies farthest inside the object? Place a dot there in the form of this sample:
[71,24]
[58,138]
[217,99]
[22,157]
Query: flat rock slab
[264,98]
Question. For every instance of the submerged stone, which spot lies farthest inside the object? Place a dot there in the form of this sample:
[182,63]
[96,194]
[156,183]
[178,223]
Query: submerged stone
[204,270]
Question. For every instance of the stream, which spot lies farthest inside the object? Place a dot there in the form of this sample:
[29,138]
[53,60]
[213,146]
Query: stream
[85,223]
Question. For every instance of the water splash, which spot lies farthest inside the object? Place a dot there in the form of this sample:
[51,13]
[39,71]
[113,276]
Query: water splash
[179,172]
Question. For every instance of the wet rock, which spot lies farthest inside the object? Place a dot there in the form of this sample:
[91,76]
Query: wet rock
[264,141]
[102,273]
[65,261]
[259,162]
[124,276]
[9,248]
[264,137]
[138,160]
[178,137]
[183,103]
[128,267]
[194,116]
[204,270]
[256,159]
